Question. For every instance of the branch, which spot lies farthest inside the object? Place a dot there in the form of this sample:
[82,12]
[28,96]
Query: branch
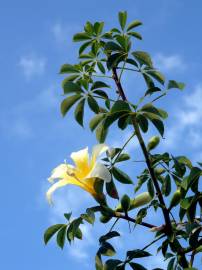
[168,225]
[121,216]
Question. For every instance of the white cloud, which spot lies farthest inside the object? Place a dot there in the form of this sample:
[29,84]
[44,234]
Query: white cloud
[16,121]
[62,33]
[169,62]
[188,119]
[32,65]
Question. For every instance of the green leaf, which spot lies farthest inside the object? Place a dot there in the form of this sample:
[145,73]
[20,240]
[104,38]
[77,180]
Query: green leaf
[99,84]
[157,75]
[79,234]
[152,90]
[98,262]
[89,216]
[108,236]
[122,157]
[143,122]
[101,93]
[101,67]
[193,176]
[67,68]
[120,106]
[51,231]
[111,264]
[68,102]
[96,120]
[133,25]
[137,253]
[68,215]
[81,37]
[122,19]
[111,190]
[159,125]
[137,266]
[107,249]
[84,46]
[101,132]
[71,87]
[135,34]
[150,188]
[89,28]
[186,202]
[166,187]
[61,236]
[171,264]
[114,60]
[79,112]
[143,58]
[98,27]
[112,46]
[121,176]
[93,104]
[174,84]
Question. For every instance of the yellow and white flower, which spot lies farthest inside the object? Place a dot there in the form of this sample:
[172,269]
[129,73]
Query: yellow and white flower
[83,174]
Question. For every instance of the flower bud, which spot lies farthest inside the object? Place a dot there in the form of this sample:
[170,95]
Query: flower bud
[153,142]
[175,199]
[141,199]
[125,203]
[138,201]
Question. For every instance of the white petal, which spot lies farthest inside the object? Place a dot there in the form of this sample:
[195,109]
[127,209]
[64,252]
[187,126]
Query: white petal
[58,172]
[55,186]
[101,172]
[98,150]
[80,158]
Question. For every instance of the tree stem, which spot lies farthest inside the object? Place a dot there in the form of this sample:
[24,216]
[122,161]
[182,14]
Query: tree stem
[168,225]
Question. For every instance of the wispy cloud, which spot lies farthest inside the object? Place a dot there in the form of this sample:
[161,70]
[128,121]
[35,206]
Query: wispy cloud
[32,65]
[18,120]
[62,33]
[168,63]
[188,119]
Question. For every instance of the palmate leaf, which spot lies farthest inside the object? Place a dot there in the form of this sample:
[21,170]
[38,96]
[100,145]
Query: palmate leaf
[137,253]
[81,37]
[93,104]
[79,112]
[135,34]
[99,84]
[107,249]
[137,266]
[143,58]
[111,190]
[122,19]
[133,25]
[101,132]
[175,84]
[95,121]
[71,87]
[121,176]
[112,264]
[68,102]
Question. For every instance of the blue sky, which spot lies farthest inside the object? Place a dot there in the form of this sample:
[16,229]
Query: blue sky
[35,41]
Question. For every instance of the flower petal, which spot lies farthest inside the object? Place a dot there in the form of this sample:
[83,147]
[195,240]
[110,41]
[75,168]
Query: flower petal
[98,150]
[101,171]
[58,173]
[81,159]
[55,186]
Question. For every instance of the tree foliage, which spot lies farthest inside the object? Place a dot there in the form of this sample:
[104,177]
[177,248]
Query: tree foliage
[96,83]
